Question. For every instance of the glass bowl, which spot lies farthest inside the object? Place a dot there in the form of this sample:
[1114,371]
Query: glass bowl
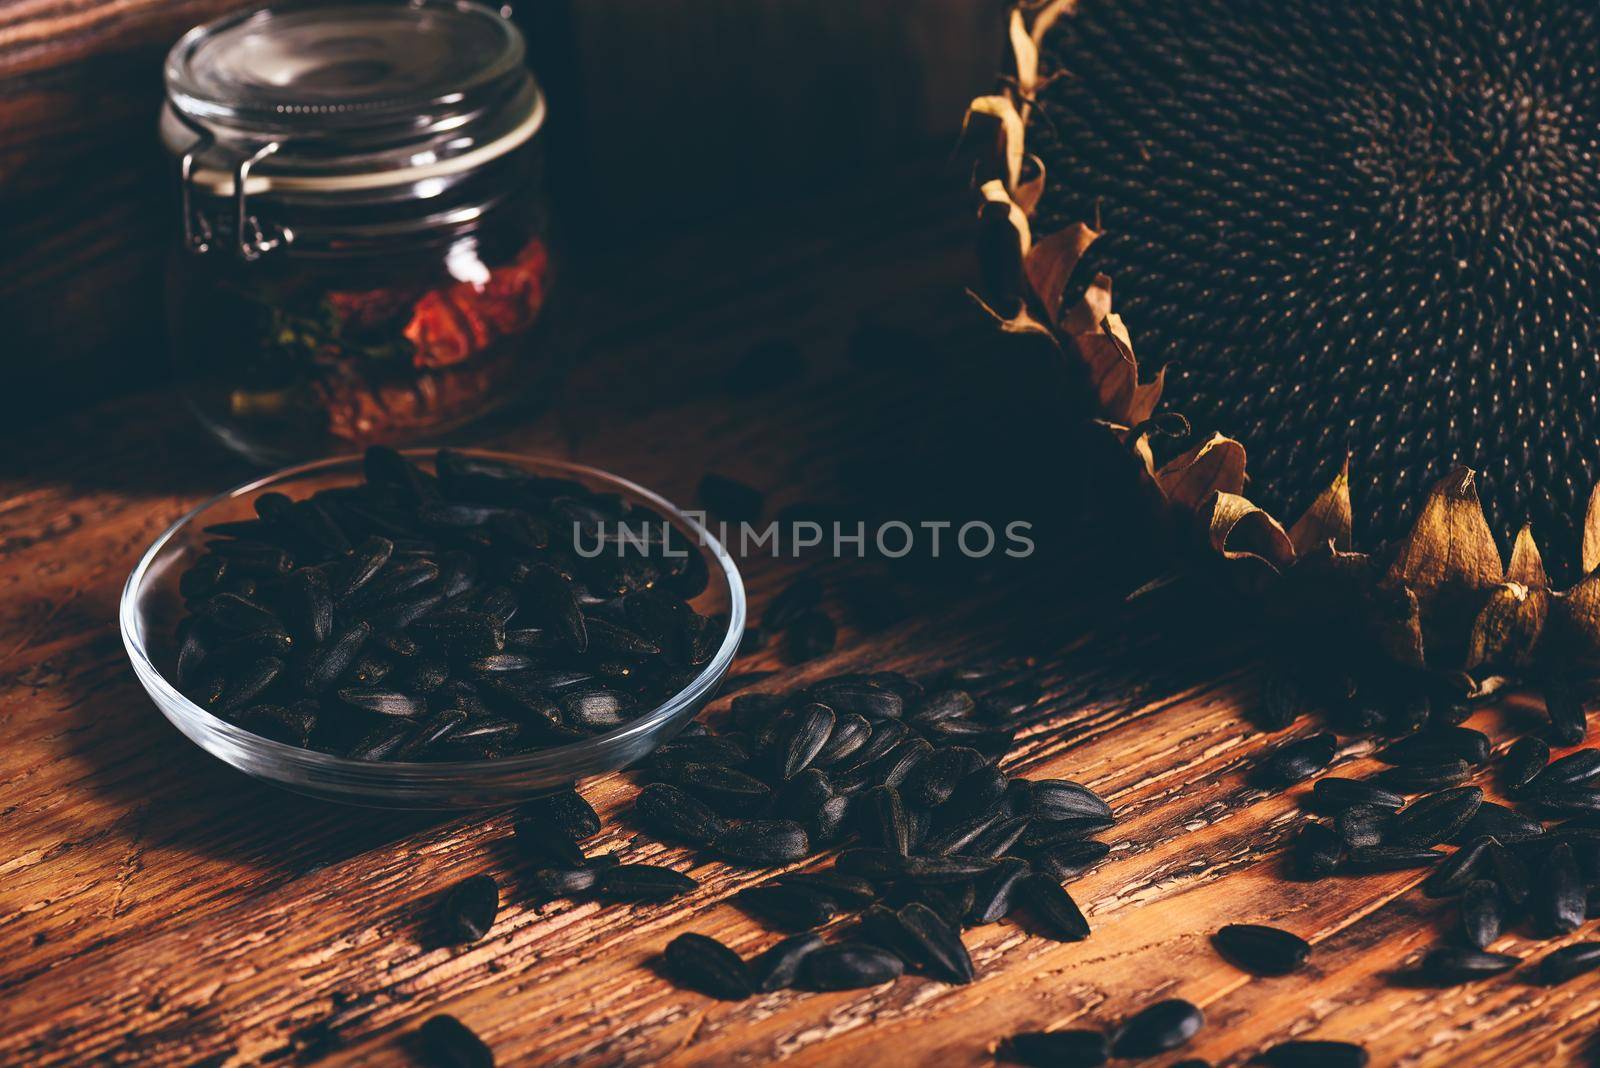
[151,607]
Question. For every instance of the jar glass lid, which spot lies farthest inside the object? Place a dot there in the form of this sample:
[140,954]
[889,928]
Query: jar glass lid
[334,93]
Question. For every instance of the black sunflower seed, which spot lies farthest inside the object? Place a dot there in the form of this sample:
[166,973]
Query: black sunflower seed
[934,944]
[1509,873]
[1501,823]
[1158,1029]
[1457,870]
[1437,817]
[462,633]
[1570,800]
[1523,762]
[1054,908]
[231,612]
[849,966]
[1300,760]
[552,883]
[761,843]
[567,812]
[802,738]
[469,909]
[845,890]
[1070,860]
[811,636]
[827,825]
[850,732]
[1450,966]
[934,778]
[552,604]
[860,696]
[1318,851]
[381,742]
[436,728]
[1333,794]
[796,599]
[1313,1053]
[1559,900]
[1482,914]
[1419,778]
[794,908]
[1569,962]
[943,705]
[724,789]
[642,882]
[996,891]
[706,965]
[1390,858]
[1574,769]
[674,814]
[384,702]
[249,682]
[897,764]
[1056,1049]
[883,819]
[1058,799]
[1363,825]
[552,848]
[1435,745]
[779,966]
[1569,720]
[1261,950]
[451,1044]
[1071,829]
[961,837]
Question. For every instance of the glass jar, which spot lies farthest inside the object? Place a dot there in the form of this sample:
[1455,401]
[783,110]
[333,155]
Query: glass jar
[364,252]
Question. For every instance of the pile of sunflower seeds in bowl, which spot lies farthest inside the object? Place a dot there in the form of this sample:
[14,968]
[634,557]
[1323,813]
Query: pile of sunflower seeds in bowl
[444,615]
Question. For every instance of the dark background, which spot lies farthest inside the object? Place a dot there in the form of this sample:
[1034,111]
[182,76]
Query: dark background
[666,115]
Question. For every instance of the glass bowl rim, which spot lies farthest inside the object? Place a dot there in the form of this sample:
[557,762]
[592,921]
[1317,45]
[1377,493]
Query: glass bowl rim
[173,702]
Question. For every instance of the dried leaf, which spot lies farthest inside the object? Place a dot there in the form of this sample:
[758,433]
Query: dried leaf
[1025,52]
[1575,621]
[1508,627]
[1329,517]
[992,133]
[1046,16]
[1449,547]
[1027,193]
[1527,566]
[1020,323]
[1397,625]
[1214,466]
[1091,310]
[1238,529]
[1590,553]
[1051,262]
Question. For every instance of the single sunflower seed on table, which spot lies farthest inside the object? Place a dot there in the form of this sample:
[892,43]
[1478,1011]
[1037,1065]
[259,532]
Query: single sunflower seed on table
[1437,817]
[708,966]
[1559,898]
[566,811]
[1571,770]
[1075,1048]
[469,909]
[642,882]
[1313,1053]
[779,966]
[1261,950]
[1158,1029]
[1333,794]
[764,842]
[935,944]
[451,1043]
[1433,745]
[789,907]
[1569,962]
[1503,824]
[1317,851]
[1523,762]
[850,966]
[1451,966]
[1299,760]
[1380,858]
[1453,873]
[1482,913]
[1421,778]
[1569,720]
[1050,903]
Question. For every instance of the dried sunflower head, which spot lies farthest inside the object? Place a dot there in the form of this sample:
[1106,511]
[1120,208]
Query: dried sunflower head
[1357,243]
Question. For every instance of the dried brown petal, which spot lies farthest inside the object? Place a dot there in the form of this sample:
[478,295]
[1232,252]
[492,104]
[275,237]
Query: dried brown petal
[1329,517]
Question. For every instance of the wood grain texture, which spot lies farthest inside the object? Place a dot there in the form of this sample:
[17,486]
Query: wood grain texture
[159,908]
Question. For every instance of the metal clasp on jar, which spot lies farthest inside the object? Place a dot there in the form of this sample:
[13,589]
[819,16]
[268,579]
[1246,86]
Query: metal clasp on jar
[252,239]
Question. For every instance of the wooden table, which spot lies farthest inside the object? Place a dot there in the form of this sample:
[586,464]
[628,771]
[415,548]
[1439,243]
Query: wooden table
[158,907]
